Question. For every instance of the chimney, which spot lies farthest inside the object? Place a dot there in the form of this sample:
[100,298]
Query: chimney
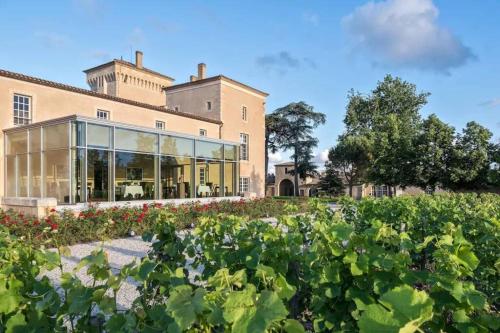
[192,78]
[202,69]
[138,59]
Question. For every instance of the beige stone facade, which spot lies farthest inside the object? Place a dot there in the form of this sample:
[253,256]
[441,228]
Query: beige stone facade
[284,180]
[134,95]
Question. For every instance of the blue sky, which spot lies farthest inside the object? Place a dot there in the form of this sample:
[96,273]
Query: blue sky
[296,50]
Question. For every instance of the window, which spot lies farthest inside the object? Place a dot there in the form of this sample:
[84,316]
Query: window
[202,176]
[209,106]
[244,146]
[160,125]
[244,184]
[177,108]
[22,109]
[203,132]
[101,114]
[244,113]
[380,191]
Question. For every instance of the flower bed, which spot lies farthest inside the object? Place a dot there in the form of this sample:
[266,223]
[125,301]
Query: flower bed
[96,223]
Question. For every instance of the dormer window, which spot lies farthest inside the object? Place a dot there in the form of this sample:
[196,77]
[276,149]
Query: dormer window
[101,114]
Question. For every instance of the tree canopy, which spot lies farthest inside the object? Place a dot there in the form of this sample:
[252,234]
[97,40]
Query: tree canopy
[291,128]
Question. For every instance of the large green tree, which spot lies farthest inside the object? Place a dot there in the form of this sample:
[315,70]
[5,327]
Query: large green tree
[273,138]
[351,157]
[330,182]
[298,121]
[434,149]
[388,118]
[471,158]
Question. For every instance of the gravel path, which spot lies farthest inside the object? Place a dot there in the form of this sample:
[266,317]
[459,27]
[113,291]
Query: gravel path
[120,252]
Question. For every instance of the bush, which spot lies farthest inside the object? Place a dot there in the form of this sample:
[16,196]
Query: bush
[357,271]
[95,224]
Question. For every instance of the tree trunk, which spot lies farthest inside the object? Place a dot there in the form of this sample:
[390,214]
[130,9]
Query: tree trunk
[350,190]
[295,174]
[389,189]
[266,162]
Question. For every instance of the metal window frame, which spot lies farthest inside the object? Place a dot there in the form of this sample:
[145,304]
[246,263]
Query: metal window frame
[73,123]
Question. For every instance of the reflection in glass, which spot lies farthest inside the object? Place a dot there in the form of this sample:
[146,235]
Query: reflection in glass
[17,142]
[35,175]
[171,145]
[175,176]
[78,134]
[209,149]
[98,162]
[78,169]
[135,176]
[35,140]
[55,136]
[230,178]
[208,178]
[135,140]
[56,175]
[22,175]
[230,152]
[11,176]
[99,136]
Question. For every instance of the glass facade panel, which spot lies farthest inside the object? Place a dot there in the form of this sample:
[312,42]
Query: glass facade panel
[10,172]
[78,170]
[98,162]
[17,142]
[208,178]
[56,175]
[209,149]
[35,140]
[176,176]
[230,176]
[230,153]
[171,145]
[135,176]
[78,134]
[135,140]
[90,169]
[35,175]
[99,136]
[56,136]
[22,175]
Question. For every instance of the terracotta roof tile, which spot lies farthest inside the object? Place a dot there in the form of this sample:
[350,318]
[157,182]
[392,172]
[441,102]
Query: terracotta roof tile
[77,90]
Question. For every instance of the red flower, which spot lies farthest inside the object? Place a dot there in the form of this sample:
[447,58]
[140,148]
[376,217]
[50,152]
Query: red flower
[36,222]
[52,210]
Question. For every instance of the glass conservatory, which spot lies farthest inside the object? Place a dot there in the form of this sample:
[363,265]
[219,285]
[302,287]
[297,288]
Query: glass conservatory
[78,159]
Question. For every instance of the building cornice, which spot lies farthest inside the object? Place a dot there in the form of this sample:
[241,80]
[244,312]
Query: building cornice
[212,79]
[61,86]
[130,65]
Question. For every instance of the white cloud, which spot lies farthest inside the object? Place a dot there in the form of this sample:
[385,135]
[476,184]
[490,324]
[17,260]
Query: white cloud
[101,55]
[136,37]
[405,33]
[283,61]
[52,39]
[311,18]
[321,157]
[493,103]
[275,157]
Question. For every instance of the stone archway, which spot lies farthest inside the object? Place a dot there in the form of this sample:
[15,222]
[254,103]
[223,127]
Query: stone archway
[286,188]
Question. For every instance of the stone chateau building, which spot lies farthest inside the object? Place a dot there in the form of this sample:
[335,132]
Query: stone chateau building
[134,135]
